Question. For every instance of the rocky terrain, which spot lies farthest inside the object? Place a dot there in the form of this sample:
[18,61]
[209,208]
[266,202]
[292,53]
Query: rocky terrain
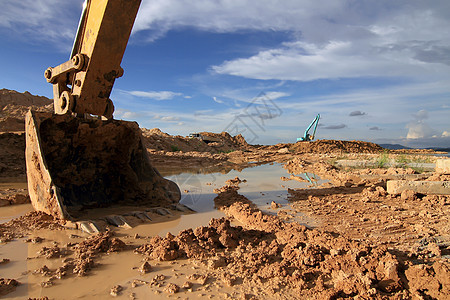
[366,243]
[14,106]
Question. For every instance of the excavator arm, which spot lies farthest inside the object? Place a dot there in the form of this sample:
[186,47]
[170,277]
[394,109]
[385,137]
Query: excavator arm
[306,136]
[83,84]
[75,162]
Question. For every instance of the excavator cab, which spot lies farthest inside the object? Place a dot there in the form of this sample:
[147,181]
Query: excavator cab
[80,158]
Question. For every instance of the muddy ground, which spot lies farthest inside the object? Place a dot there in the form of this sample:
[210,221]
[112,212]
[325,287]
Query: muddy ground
[366,244]
[363,244]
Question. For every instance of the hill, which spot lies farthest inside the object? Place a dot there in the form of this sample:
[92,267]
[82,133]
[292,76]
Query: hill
[14,106]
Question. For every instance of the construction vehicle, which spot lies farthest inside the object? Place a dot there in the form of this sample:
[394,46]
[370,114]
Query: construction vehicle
[205,138]
[80,158]
[306,136]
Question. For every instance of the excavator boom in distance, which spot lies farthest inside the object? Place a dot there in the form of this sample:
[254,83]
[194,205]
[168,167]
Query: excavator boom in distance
[309,137]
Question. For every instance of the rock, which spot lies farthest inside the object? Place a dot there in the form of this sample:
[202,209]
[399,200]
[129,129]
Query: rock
[145,268]
[434,249]
[408,195]
[217,263]
[172,288]
[20,199]
[116,290]
[187,285]
[7,286]
[275,205]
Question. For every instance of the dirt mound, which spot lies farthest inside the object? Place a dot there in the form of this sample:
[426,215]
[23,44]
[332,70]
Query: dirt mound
[19,227]
[87,250]
[12,156]
[289,260]
[7,286]
[14,106]
[155,139]
[333,146]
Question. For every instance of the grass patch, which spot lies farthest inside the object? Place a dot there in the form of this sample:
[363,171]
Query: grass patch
[227,151]
[402,160]
[382,160]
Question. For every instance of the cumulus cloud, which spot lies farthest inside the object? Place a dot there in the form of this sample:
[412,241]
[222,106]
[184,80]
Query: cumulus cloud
[340,39]
[374,128]
[357,113]
[446,134]
[305,61]
[418,128]
[126,114]
[156,95]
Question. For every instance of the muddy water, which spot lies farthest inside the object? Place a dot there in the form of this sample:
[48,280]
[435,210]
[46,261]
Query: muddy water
[8,213]
[263,185]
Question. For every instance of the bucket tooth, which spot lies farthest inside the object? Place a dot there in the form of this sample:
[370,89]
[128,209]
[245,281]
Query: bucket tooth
[142,215]
[90,227]
[118,221]
[181,207]
[161,211]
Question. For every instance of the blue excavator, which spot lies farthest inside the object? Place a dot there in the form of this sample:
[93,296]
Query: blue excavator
[306,136]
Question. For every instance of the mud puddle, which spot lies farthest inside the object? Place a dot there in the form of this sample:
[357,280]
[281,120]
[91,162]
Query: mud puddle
[8,213]
[261,184]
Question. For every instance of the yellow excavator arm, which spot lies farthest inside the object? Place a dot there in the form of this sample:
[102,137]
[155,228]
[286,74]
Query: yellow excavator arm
[84,83]
[77,163]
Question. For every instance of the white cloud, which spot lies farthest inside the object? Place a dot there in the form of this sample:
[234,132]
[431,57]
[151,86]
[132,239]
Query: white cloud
[126,114]
[217,100]
[446,134]
[156,95]
[276,95]
[304,61]
[166,118]
[52,21]
[169,118]
[337,40]
[418,129]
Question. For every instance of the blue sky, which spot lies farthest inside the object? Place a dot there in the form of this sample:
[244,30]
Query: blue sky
[375,70]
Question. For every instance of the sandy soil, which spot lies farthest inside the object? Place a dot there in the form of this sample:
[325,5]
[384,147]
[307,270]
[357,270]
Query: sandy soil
[364,244]
[368,245]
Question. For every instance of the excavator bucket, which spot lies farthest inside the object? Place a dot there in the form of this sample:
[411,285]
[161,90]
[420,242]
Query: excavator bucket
[76,164]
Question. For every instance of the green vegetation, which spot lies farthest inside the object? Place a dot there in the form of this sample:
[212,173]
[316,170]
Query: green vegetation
[227,151]
[402,160]
[174,148]
[382,160]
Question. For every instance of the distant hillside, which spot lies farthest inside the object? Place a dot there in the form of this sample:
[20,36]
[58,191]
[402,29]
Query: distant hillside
[441,149]
[14,106]
[394,146]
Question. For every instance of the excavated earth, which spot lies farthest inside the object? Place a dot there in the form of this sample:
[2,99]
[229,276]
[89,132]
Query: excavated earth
[365,243]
